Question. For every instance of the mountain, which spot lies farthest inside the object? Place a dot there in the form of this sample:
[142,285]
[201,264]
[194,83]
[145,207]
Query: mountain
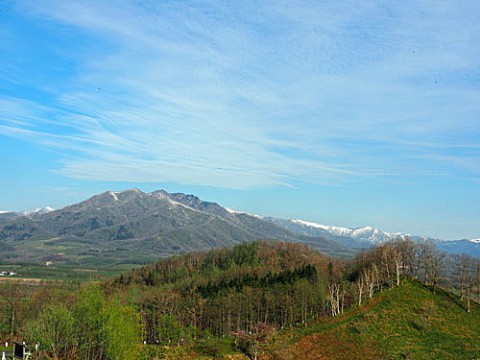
[136,227]
[362,237]
[365,237]
[4,215]
[471,247]
[33,212]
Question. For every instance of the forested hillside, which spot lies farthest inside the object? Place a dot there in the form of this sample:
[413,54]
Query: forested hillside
[259,300]
[232,289]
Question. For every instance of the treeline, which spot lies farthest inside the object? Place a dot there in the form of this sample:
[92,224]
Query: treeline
[466,276]
[187,300]
[383,266]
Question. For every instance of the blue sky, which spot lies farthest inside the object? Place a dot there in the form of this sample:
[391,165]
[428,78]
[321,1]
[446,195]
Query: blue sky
[344,113]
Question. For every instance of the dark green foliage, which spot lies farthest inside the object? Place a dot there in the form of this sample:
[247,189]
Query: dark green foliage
[123,233]
[94,224]
[242,254]
[284,277]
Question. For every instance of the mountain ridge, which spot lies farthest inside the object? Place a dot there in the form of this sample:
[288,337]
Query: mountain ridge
[133,226]
[195,203]
[368,236]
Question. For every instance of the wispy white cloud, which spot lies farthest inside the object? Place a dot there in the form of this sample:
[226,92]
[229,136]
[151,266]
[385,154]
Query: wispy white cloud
[213,94]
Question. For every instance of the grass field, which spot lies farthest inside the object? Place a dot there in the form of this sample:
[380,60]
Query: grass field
[62,272]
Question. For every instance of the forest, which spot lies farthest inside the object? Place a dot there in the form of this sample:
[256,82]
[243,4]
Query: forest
[218,303]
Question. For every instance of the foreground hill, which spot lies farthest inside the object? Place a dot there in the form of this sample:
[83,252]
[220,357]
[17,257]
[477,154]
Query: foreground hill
[136,227]
[408,322]
[289,286]
[258,300]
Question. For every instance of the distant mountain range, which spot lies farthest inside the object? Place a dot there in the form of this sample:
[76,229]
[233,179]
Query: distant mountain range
[136,227]
[364,237]
[358,237]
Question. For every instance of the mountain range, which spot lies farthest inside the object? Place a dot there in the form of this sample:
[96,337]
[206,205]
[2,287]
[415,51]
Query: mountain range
[364,237]
[136,227]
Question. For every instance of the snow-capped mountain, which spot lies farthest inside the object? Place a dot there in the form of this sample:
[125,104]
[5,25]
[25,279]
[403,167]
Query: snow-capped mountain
[139,227]
[366,233]
[353,237]
[30,212]
[236,212]
[38,211]
[148,225]
[364,237]
[467,246]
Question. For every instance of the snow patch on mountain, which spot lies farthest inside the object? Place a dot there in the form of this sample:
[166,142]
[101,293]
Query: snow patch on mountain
[176,203]
[236,212]
[114,195]
[231,211]
[163,195]
[39,211]
[341,231]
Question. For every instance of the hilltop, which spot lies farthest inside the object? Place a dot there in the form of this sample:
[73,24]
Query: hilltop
[289,288]
[408,322]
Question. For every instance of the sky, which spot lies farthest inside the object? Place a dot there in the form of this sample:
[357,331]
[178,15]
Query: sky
[346,113]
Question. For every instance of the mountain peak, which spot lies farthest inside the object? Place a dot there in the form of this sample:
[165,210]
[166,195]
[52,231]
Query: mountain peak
[133,190]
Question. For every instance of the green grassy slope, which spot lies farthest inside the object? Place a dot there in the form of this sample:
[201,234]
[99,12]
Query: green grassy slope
[409,322]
